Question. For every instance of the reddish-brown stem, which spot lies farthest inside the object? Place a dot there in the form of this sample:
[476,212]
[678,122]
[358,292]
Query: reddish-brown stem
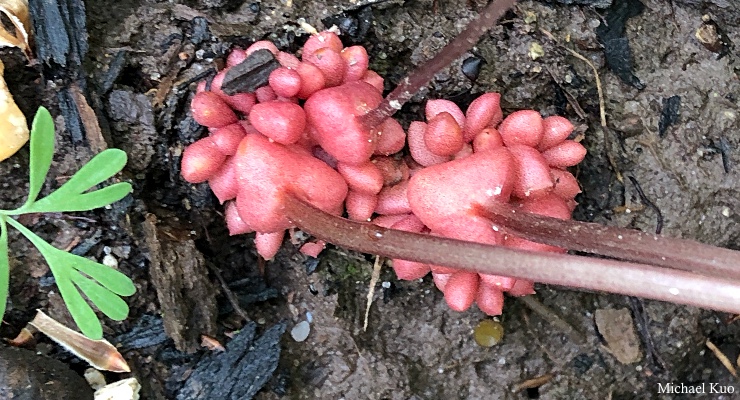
[422,75]
[625,244]
[558,269]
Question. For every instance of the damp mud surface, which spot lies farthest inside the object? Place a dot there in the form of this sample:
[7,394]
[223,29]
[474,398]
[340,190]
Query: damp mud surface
[667,160]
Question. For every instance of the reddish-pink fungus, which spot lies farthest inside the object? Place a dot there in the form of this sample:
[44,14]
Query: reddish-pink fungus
[333,110]
[227,138]
[285,82]
[201,160]
[532,172]
[210,110]
[280,121]
[268,244]
[357,61]
[566,154]
[555,130]
[522,127]
[484,111]
[443,136]
[320,40]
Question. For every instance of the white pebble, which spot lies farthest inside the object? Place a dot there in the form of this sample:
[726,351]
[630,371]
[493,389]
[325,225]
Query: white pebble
[300,332]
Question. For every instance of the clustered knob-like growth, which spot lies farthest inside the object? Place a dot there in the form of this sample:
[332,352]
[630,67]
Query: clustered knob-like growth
[301,136]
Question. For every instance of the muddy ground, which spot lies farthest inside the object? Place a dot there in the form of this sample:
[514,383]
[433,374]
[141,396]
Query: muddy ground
[169,237]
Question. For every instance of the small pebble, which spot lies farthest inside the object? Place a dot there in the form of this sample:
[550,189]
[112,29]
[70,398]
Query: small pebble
[300,332]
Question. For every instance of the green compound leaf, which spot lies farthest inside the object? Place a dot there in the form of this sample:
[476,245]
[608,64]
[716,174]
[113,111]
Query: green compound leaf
[68,272]
[4,267]
[42,151]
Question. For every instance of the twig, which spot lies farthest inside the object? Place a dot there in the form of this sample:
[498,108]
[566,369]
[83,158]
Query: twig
[371,291]
[422,75]
[553,319]
[645,200]
[648,281]
[627,244]
[233,300]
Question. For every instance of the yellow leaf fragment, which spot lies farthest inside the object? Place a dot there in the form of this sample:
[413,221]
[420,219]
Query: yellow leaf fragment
[13,126]
[18,35]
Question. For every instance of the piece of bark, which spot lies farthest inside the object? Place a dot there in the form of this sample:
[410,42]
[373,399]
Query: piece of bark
[25,375]
[186,296]
[239,372]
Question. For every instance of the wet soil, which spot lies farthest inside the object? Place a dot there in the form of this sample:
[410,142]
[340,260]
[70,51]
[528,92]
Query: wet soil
[144,60]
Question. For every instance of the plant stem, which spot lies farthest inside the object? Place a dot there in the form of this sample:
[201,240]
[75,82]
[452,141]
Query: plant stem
[423,74]
[557,269]
[625,244]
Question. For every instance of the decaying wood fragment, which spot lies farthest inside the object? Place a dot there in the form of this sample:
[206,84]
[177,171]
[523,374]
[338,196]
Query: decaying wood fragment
[185,293]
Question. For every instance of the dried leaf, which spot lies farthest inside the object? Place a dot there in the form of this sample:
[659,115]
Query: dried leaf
[17,12]
[13,126]
[99,353]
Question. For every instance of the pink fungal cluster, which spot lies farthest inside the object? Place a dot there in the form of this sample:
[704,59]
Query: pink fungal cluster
[302,135]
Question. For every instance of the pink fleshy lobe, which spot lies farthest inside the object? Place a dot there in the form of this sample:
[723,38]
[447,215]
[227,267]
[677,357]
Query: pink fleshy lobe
[434,107]
[234,222]
[280,121]
[357,61]
[371,77]
[522,127]
[201,160]
[490,299]
[267,170]
[444,192]
[268,244]
[331,64]
[265,94]
[440,280]
[555,130]
[390,137]
[210,110]
[223,183]
[235,57]
[522,288]
[312,79]
[443,135]
[461,290]
[285,82]
[486,139]
[333,110]
[532,172]
[393,200]
[320,40]
[262,44]
[365,178]
[227,139]
[410,270]
[360,205]
[313,249]
[418,147]
[566,154]
[484,111]
[566,185]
